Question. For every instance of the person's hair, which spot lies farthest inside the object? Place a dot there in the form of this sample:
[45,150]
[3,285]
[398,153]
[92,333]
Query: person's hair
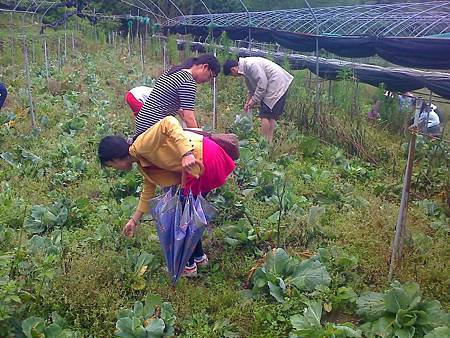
[111,148]
[208,59]
[228,65]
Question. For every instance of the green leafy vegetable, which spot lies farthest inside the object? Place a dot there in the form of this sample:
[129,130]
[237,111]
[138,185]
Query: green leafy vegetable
[400,312]
[282,271]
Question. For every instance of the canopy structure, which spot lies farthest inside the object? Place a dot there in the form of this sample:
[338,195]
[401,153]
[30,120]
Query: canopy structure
[411,35]
[406,20]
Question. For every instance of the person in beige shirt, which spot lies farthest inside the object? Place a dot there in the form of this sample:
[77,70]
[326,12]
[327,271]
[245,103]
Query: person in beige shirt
[267,85]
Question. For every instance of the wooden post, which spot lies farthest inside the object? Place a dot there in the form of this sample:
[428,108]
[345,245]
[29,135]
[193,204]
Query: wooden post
[30,95]
[13,49]
[95,27]
[33,56]
[65,39]
[355,100]
[73,43]
[329,91]
[400,228]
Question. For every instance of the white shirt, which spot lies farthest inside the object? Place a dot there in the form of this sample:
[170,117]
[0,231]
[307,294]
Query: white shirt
[266,81]
[141,93]
[433,118]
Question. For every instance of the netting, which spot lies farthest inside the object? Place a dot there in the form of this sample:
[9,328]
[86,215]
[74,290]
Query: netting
[408,19]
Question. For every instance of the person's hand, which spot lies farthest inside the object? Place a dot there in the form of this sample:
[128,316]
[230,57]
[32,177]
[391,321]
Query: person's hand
[188,162]
[250,103]
[129,228]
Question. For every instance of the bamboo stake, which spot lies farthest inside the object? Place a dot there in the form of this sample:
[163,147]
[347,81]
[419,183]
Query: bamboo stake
[142,55]
[400,228]
[59,53]
[13,49]
[30,95]
[214,108]
[129,46]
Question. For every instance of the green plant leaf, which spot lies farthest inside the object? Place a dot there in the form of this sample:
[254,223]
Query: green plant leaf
[33,326]
[371,305]
[406,332]
[277,291]
[310,318]
[277,261]
[439,332]
[405,318]
[125,328]
[383,326]
[150,304]
[434,314]
[155,328]
[309,274]
[402,297]
[53,331]
[138,309]
[345,331]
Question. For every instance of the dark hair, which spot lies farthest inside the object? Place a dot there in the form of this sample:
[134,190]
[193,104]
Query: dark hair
[111,148]
[209,59]
[228,65]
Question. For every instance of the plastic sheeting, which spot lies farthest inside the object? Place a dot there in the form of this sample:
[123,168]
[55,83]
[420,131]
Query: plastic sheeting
[422,52]
[393,79]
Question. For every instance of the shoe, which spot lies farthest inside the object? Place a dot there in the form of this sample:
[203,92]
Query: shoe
[202,261]
[190,271]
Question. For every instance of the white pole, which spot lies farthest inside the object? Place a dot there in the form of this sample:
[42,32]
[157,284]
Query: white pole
[164,55]
[46,62]
[142,54]
[214,110]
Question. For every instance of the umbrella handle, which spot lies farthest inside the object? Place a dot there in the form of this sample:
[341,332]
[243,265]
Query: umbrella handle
[184,173]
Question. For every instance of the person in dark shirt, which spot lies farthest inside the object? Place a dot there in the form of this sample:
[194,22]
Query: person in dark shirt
[175,91]
[3,94]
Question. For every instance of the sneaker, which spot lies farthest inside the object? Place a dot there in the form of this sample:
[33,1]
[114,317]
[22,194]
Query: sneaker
[202,261]
[190,271]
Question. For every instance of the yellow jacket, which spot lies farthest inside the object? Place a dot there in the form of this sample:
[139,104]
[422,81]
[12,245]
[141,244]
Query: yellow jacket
[159,151]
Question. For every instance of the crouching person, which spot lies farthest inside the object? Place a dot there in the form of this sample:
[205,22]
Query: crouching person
[161,154]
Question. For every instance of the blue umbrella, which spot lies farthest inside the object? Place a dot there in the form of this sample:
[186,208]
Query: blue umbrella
[180,222]
[187,234]
[166,212]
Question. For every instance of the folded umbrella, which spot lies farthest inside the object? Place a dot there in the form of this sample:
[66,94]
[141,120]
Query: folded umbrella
[180,222]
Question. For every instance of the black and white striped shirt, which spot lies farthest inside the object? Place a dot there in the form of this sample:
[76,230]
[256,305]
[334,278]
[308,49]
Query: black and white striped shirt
[170,93]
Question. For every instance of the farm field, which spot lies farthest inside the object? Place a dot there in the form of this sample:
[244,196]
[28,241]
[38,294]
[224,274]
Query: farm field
[301,244]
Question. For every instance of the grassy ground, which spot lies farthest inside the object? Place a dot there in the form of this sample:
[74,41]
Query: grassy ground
[92,275]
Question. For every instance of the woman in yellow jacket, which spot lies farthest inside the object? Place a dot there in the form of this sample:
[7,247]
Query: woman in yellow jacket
[161,154]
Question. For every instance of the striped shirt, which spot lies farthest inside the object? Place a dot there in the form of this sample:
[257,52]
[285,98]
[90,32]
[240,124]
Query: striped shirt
[170,93]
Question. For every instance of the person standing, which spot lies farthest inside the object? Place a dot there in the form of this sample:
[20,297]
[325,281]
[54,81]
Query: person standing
[267,85]
[136,97]
[175,92]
